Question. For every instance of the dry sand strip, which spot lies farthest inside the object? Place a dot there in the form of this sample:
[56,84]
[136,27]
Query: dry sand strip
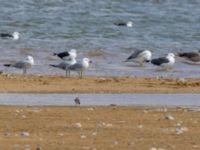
[99,128]
[95,84]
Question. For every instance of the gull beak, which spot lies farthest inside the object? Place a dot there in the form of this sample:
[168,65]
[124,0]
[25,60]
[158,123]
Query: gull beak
[90,61]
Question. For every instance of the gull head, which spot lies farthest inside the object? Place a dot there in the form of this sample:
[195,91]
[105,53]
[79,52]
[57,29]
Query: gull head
[16,35]
[86,62]
[30,60]
[73,53]
[129,24]
[171,55]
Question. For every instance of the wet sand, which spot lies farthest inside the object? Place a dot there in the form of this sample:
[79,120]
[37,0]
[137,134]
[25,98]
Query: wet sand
[98,128]
[96,84]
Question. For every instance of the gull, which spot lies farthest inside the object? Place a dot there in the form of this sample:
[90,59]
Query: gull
[24,64]
[80,67]
[165,62]
[191,56]
[67,55]
[64,65]
[128,24]
[14,35]
[140,56]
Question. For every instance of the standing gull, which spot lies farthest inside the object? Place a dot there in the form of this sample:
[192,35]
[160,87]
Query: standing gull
[67,55]
[14,35]
[64,65]
[24,64]
[191,56]
[140,56]
[80,67]
[165,62]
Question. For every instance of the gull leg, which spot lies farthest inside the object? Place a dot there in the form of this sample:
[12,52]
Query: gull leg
[66,73]
[141,64]
[24,71]
[81,74]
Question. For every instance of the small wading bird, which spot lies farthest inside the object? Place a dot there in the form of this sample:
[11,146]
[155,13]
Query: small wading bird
[77,101]
[67,55]
[64,65]
[24,64]
[140,57]
[80,67]
[14,35]
[165,62]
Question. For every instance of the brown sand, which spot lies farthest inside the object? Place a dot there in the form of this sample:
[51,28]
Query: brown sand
[102,128]
[61,84]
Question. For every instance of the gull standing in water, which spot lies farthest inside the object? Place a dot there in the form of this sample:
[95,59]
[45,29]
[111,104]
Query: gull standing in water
[24,64]
[140,56]
[14,35]
[64,65]
[67,55]
[80,67]
[165,62]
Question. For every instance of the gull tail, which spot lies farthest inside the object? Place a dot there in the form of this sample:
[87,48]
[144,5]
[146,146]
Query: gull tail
[55,54]
[53,65]
[7,65]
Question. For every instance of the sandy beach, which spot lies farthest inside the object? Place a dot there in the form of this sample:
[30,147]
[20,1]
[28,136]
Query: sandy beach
[95,84]
[98,128]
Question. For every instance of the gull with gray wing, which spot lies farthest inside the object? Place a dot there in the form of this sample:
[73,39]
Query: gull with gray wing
[80,67]
[140,56]
[24,64]
[64,65]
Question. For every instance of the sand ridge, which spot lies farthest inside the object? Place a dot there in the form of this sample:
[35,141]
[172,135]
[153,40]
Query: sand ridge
[95,84]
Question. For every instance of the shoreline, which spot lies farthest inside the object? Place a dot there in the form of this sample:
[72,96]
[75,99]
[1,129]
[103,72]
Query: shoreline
[95,84]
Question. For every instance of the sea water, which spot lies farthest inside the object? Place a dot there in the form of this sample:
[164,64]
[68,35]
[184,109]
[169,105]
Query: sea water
[49,26]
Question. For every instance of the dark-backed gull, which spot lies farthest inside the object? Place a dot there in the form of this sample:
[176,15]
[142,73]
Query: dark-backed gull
[67,55]
[14,35]
[165,62]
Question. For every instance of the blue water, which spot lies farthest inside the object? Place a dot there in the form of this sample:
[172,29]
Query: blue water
[49,26]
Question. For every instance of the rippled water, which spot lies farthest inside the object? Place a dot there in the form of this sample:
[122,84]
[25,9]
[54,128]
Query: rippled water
[49,26]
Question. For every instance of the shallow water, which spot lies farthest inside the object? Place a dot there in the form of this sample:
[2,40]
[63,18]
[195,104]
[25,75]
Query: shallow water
[49,26]
[189,100]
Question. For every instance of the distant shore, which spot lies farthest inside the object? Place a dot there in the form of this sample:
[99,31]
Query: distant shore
[96,84]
